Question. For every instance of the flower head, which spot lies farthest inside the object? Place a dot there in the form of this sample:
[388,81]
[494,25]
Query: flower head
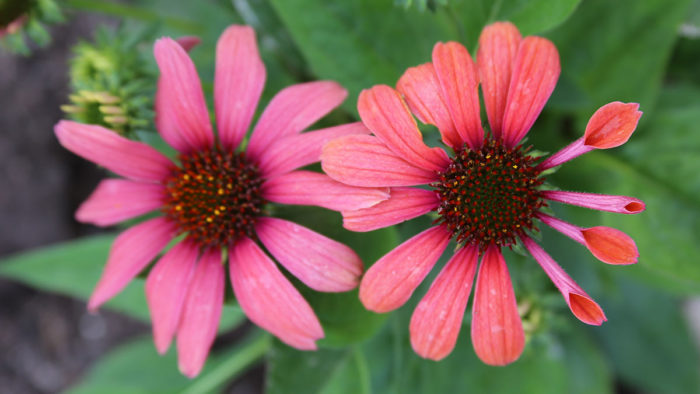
[216,197]
[488,194]
[27,17]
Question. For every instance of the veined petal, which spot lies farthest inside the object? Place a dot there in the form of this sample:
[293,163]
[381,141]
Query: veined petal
[131,159]
[456,72]
[601,202]
[609,245]
[612,125]
[362,160]
[498,45]
[130,254]
[296,151]
[269,299]
[534,76]
[389,283]
[383,111]
[497,332]
[185,99]
[313,188]
[580,303]
[404,203]
[116,200]
[166,288]
[166,122]
[201,313]
[421,89]
[292,110]
[320,262]
[437,319]
[238,83]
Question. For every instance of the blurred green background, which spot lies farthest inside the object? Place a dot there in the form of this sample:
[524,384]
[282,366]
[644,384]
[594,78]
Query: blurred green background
[645,51]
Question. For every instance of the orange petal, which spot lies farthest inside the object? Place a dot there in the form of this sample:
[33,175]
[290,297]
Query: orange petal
[612,125]
[610,245]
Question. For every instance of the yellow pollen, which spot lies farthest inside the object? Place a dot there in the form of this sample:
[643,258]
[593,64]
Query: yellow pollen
[220,191]
[217,213]
[209,219]
[186,177]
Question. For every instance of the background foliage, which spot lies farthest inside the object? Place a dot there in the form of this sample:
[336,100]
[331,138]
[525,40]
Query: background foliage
[627,50]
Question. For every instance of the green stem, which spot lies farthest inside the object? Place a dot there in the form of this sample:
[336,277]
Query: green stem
[134,12]
[242,357]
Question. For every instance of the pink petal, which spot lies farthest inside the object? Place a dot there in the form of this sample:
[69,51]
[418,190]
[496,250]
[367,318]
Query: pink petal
[498,45]
[238,83]
[320,262]
[296,151]
[166,123]
[609,245]
[269,299]
[166,288]
[186,108]
[292,110]
[383,111]
[312,188]
[104,147]
[130,254]
[389,283]
[612,125]
[580,303]
[601,202]
[534,76]
[116,200]
[421,89]
[572,151]
[362,160]
[457,75]
[405,203]
[201,313]
[436,322]
[497,332]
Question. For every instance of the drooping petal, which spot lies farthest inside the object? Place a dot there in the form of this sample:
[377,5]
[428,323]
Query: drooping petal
[571,151]
[201,313]
[437,319]
[601,202]
[609,245]
[421,89]
[116,200]
[580,303]
[383,111]
[313,188]
[130,254]
[185,99]
[238,83]
[295,151]
[320,262]
[131,159]
[497,332]
[362,160]
[389,283]
[534,76]
[498,45]
[188,42]
[166,288]
[292,110]
[459,83]
[612,125]
[404,203]
[269,299]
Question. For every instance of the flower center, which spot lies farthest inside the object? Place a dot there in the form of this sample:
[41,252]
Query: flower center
[489,196]
[214,197]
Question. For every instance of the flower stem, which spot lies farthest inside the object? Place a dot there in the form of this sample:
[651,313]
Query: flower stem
[241,358]
[134,12]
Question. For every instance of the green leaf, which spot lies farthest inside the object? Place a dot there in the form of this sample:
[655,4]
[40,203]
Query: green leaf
[73,268]
[648,341]
[326,371]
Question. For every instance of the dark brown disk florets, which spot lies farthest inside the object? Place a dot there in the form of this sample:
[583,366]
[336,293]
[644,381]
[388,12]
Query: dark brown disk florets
[214,197]
[489,196]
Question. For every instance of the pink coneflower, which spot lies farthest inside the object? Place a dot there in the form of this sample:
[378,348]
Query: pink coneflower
[216,198]
[488,194]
